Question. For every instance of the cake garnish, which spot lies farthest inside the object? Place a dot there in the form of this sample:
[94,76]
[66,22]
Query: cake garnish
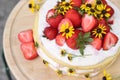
[70,57]
[63,52]
[71,71]
[63,6]
[36,44]
[59,72]
[87,75]
[45,62]
[82,40]
[100,31]
[106,76]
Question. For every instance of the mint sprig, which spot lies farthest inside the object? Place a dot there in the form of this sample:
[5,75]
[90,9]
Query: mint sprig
[82,40]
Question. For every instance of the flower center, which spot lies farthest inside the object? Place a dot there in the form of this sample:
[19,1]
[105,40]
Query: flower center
[99,30]
[61,9]
[98,2]
[89,5]
[103,11]
[67,31]
[67,4]
[30,5]
[62,0]
[104,78]
[92,10]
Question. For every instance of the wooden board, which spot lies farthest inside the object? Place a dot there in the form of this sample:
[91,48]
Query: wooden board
[22,19]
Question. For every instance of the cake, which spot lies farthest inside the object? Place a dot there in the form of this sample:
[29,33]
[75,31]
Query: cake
[79,39]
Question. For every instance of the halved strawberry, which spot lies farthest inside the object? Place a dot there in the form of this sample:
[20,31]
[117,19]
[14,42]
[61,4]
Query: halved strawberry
[29,50]
[110,20]
[26,36]
[71,42]
[111,12]
[110,40]
[76,3]
[64,22]
[50,33]
[97,43]
[104,2]
[102,21]
[88,23]
[60,40]
[75,17]
[53,19]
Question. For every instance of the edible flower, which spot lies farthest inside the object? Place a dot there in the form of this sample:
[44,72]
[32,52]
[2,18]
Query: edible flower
[67,30]
[106,76]
[85,7]
[99,31]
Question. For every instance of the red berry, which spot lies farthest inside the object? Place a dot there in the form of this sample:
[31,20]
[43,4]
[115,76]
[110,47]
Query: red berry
[110,40]
[97,43]
[50,33]
[71,42]
[60,40]
[29,50]
[111,12]
[88,23]
[26,36]
[75,17]
[53,19]
[77,3]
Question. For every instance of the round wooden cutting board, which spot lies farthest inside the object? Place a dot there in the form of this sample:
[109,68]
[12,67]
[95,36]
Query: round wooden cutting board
[22,19]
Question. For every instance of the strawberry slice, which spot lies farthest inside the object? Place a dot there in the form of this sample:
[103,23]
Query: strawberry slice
[102,21]
[71,42]
[60,40]
[88,23]
[110,20]
[50,33]
[26,36]
[53,19]
[75,17]
[97,43]
[64,22]
[29,50]
[76,3]
[110,40]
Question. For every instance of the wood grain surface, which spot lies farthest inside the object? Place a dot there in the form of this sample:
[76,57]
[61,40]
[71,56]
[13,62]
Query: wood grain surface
[22,19]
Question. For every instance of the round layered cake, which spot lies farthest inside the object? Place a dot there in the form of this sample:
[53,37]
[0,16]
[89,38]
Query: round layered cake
[77,37]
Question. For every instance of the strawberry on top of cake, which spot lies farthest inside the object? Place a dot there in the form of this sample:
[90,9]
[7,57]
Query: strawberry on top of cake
[78,23]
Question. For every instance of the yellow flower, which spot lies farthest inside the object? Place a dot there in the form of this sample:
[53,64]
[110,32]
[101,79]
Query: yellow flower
[104,11]
[99,5]
[92,11]
[71,71]
[33,7]
[61,10]
[67,30]
[59,72]
[67,5]
[106,76]
[85,7]
[99,31]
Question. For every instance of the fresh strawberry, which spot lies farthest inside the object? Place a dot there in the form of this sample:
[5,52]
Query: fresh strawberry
[60,40]
[53,19]
[111,12]
[110,40]
[64,22]
[26,36]
[90,1]
[75,17]
[29,50]
[102,21]
[107,28]
[71,42]
[50,33]
[77,3]
[97,43]
[110,20]
[104,2]
[88,23]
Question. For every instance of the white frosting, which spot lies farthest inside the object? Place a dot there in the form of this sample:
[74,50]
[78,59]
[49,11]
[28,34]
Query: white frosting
[54,50]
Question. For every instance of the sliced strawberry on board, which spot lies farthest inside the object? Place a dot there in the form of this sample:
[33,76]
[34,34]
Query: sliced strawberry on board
[64,22]
[88,23]
[53,19]
[97,43]
[75,17]
[110,40]
[26,36]
[71,42]
[76,3]
[29,50]
[50,33]
[60,40]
